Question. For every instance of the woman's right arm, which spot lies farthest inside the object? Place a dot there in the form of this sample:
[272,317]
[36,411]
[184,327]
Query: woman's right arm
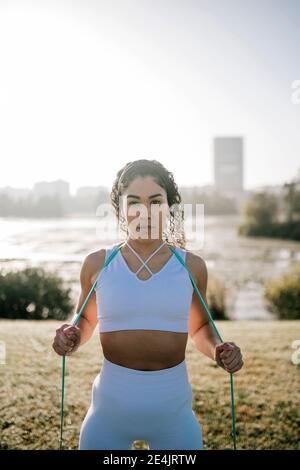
[68,337]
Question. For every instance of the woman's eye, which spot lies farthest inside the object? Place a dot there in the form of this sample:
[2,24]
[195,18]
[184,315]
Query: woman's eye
[134,202]
[156,201]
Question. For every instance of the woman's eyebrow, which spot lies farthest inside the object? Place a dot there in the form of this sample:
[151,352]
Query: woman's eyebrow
[138,197]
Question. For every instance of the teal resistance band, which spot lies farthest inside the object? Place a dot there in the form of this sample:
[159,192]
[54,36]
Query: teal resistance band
[76,320]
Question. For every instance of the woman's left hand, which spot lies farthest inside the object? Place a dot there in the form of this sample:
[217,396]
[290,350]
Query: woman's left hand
[228,356]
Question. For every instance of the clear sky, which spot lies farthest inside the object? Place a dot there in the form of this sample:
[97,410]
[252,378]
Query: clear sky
[86,86]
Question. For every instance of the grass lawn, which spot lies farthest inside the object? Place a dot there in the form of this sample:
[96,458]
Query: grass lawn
[266,388]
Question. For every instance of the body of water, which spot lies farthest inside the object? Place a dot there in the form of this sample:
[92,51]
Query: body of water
[242,264]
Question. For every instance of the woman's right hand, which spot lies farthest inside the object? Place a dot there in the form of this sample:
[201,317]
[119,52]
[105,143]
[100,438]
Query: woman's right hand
[67,339]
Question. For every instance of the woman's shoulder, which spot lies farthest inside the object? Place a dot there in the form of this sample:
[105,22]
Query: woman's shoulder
[196,264]
[95,256]
[95,260]
[100,254]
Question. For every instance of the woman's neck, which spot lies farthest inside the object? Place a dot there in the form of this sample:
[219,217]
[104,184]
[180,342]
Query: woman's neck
[144,247]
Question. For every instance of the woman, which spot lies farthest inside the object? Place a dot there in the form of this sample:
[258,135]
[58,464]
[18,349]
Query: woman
[145,306]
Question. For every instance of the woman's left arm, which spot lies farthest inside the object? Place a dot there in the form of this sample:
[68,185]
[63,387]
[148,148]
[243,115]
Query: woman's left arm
[227,355]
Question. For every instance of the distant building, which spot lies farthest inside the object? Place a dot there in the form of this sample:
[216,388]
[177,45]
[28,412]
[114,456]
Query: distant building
[91,191]
[51,188]
[228,165]
[15,194]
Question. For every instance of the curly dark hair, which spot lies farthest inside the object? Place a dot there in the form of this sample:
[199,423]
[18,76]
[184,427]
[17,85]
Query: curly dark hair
[174,235]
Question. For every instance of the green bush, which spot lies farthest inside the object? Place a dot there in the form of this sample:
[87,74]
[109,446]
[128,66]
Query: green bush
[283,295]
[284,230]
[33,294]
[216,299]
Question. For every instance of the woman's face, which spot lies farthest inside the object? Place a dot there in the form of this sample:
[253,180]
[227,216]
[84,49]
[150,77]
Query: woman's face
[144,206]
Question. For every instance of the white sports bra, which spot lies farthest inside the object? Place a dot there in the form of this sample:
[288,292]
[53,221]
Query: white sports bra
[126,302]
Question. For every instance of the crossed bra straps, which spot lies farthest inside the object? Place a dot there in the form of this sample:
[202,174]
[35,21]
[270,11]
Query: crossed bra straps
[160,302]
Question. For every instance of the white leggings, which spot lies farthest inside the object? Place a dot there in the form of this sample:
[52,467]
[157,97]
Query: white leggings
[130,404]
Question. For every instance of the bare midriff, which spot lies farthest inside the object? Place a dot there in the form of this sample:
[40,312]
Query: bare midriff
[144,349]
